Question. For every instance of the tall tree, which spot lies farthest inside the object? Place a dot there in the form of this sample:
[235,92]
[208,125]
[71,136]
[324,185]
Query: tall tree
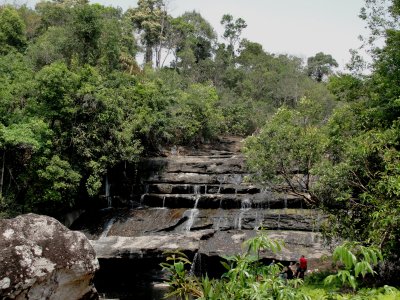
[320,66]
[193,40]
[86,27]
[233,31]
[150,18]
[201,36]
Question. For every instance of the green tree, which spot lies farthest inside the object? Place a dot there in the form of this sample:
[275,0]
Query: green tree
[233,30]
[320,66]
[59,183]
[26,137]
[56,85]
[358,183]
[384,107]
[346,87]
[358,177]
[288,147]
[51,46]
[86,28]
[195,116]
[31,20]
[150,18]
[12,30]
[52,14]
[193,40]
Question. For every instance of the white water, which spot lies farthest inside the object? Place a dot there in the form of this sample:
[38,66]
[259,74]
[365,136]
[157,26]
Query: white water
[285,202]
[196,189]
[219,188]
[107,192]
[196,265]
[192,213]
[196,202]
[146,191]
[191,217]
[245,207]
[258,221]
[107,227]
[221,179]
[267,195]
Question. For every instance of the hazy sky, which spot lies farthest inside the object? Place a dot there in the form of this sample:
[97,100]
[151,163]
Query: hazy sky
[298,27]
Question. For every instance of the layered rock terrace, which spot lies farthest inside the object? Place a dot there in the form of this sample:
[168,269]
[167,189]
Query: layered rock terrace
[200,201]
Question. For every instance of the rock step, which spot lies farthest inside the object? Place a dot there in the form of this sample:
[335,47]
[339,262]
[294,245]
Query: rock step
[208,242]
[200,165]
[139,222]
[166,188]
[203,153]
[225,201]
[196,178]
[250,219]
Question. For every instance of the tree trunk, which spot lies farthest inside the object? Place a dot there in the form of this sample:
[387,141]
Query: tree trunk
[149,55]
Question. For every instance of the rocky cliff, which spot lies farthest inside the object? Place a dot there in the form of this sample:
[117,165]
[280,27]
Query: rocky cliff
[201,201]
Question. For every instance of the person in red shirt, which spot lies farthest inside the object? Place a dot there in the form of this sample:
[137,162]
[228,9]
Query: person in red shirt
[302,267]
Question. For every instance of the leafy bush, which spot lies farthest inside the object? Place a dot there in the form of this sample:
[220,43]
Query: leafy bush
[356,260]
[245,278]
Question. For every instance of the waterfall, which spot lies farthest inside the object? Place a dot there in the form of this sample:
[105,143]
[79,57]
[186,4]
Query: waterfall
[236,180]
[195,269]
[196,190]
[191,217]
[146,191]
[107,227]
[245,206]
[258,221]
[163,202]
[220,203]
[194,211]
[221,179]
[268,195]
[285,202]
[196,202]
[107,192]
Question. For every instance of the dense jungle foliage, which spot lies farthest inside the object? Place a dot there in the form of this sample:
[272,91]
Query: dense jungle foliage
[75,102]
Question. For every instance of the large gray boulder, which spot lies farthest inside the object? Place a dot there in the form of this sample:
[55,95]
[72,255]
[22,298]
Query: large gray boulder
[42,259]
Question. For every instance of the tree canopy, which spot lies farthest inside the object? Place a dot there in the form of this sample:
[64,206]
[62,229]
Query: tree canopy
[75,103]
[346,161]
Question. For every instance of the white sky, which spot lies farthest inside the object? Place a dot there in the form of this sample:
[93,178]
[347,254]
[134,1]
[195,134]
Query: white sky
[297,27]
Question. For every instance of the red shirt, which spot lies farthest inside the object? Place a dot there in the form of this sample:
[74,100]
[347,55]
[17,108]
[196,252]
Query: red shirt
[303,263]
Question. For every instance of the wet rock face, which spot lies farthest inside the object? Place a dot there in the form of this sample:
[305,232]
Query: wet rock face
[191,191]
[42,259]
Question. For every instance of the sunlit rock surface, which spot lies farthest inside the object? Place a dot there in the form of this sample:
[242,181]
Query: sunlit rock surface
[42,259]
